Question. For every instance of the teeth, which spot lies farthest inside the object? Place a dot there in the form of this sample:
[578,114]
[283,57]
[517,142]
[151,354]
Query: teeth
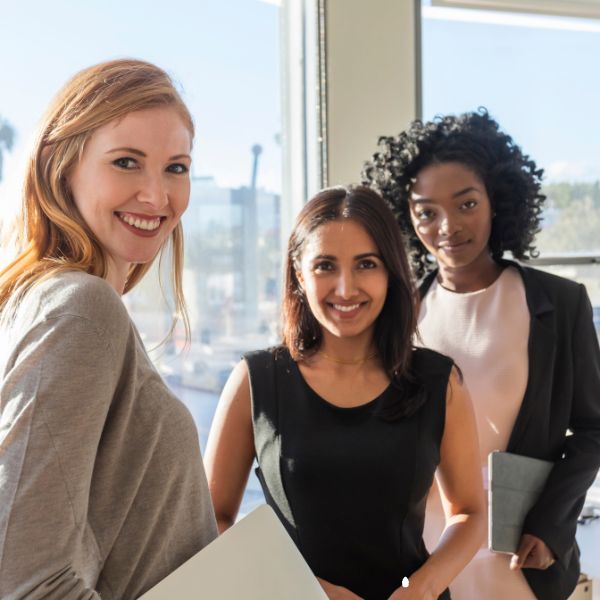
[141,223]
[345,308]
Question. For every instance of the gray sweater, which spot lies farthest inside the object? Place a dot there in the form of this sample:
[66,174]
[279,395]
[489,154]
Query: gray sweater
[102,488]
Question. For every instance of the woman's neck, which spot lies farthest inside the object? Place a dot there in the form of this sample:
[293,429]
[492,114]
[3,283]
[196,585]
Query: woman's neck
[117,274]
[470,278]
[348,351]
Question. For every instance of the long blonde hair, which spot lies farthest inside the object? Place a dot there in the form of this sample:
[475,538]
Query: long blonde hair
[52,236]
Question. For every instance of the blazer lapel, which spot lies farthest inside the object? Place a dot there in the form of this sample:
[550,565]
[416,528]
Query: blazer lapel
[425,283]
[541,349]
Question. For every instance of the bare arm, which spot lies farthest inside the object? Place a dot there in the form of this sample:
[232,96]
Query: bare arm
[461,490]
[230,448]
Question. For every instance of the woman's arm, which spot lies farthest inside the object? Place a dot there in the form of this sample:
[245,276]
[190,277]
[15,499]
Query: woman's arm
[229,455]
[553,518]
[55,396]
[230,448]
[461,490]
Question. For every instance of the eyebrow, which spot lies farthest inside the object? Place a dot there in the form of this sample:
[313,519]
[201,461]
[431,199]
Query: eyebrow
[466,190]
[357,257]
[143,154]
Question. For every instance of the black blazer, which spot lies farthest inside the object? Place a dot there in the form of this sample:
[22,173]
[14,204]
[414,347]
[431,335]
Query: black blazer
[562,393]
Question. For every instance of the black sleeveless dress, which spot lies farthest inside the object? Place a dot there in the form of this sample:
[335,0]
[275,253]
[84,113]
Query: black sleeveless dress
[349,486]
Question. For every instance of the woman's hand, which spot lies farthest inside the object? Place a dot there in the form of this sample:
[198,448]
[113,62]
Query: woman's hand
[412,593]
[337,592]
[418,587]
[532,554]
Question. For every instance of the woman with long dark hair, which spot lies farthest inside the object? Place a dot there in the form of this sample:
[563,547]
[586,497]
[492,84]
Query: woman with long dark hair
[348,421]
[465,194]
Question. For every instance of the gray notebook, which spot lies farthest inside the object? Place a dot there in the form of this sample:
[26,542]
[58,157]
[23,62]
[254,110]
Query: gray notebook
[255,560]
[516,483]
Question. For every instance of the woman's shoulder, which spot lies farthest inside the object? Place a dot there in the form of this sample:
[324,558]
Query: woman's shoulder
[75,294]
[267,357]
[536,279]
[79,294]
[550,281]
[550,291]
[426,361]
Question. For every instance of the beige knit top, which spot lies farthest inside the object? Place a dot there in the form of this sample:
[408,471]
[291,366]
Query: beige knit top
[102,488]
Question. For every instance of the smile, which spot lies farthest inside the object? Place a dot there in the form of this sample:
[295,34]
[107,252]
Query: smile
[346,307]
[140,222]
[456,247]
[346,312]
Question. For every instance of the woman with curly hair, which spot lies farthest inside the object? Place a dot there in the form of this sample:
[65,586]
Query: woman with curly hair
[464,194]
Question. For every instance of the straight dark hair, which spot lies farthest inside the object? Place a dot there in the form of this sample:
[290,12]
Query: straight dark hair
[396,323]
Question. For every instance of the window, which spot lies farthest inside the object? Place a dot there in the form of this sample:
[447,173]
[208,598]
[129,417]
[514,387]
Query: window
[532,72]
[227,57]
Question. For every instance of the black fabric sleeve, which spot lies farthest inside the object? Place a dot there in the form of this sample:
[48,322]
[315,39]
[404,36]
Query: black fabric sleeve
[554,517]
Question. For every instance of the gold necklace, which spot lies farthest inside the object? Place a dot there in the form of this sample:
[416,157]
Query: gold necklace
[356,361]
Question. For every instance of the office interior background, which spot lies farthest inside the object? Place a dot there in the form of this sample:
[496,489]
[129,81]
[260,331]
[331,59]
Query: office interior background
[289,96]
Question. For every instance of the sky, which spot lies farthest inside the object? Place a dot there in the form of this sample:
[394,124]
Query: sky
[535,74]
[224,53]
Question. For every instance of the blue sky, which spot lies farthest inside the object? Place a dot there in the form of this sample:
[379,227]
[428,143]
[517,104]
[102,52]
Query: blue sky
[536,75]
[225,53]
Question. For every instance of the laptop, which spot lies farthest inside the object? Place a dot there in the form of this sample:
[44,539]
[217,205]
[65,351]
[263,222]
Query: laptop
[516,483]
[255,559]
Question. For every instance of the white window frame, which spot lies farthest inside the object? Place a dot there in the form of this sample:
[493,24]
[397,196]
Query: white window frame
[368,80]
[565,8]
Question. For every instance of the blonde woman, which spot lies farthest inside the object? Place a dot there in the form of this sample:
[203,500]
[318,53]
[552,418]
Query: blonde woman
[102,489]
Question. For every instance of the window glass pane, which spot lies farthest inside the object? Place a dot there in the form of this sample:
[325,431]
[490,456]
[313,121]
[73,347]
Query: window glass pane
[226,56]
[532,73]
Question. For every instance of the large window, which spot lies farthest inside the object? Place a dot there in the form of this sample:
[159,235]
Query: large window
[534,73]
[226,56]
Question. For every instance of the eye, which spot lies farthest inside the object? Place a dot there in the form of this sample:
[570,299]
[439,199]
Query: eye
[425,214]
[125,162]
[469,204]
[367,263]
[178,168]
[323,266]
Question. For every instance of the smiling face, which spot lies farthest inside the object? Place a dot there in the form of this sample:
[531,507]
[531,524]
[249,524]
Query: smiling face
[344,278]
[131,185]
[452,216]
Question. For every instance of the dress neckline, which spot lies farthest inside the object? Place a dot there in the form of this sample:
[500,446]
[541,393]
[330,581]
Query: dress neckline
[348,409]
[438,287]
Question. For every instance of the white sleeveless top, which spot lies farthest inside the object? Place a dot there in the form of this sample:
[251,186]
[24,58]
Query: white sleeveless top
[486,332]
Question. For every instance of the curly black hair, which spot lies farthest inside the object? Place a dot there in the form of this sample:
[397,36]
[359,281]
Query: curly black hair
[512,180]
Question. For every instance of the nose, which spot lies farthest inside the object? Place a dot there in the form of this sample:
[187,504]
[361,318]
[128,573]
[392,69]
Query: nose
[346,284]
[153,192]
[448,226]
